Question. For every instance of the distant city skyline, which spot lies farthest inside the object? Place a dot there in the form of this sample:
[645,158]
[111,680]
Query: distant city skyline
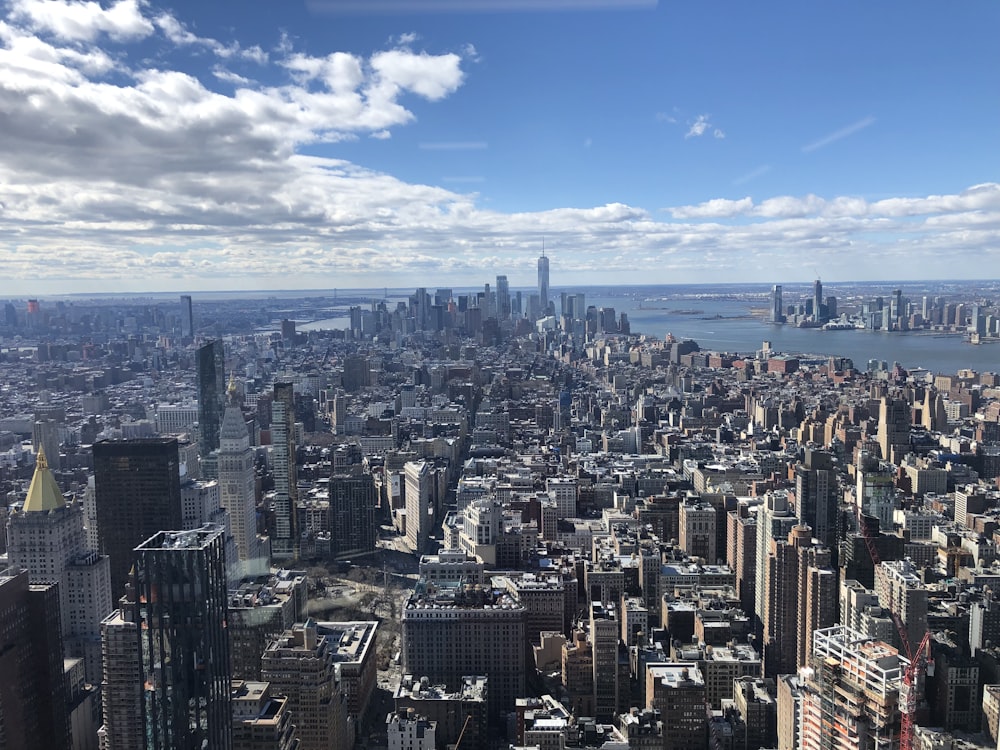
[345,144]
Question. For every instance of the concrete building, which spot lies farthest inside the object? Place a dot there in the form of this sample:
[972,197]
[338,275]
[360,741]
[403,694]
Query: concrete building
[238,489]
[900,590]
[258,610]
[122,683]
[407,730]
[697,530]
[354,654]
[450,631]
[677,691]
[851,696]
[261,719]
[449,709]
[604,636]
[301,665]
[418,493]
[46,537]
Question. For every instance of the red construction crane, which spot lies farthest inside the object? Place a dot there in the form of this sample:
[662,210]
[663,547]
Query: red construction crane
[908,690]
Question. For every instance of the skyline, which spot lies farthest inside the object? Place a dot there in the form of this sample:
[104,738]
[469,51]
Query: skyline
[352,145]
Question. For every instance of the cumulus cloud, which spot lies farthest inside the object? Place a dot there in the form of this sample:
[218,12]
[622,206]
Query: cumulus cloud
[122,175]
[698,127]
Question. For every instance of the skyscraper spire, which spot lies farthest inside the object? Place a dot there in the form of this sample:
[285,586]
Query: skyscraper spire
[43,494]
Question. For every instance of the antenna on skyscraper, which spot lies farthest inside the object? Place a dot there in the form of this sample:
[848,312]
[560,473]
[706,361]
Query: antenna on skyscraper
[543,247]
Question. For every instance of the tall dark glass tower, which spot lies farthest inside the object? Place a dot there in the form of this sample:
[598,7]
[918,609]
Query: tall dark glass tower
[211,394]
[138,493]
[543,283]
[180,588]
[818,300]
[352,513]
[187,317]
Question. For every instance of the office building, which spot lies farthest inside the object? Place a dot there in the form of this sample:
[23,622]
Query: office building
[33,701]
[138,493]
[900,590]
[45,536]
[777,307]
[817,301]
[875,490]
[300,664]
[257,610]
[406,730]
[454,630]
[238,490]
[503,298]
[261,719]
[543,284]
[211,363]
[816,495]
[419,489]
[894,429]
[180,589]
[285,539]
[697,530]
[457,713]
[187,317]
[774,521]
[352,514]
[604,631]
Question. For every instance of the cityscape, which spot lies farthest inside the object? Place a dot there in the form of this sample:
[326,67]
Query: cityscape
[498,518]
[500,375]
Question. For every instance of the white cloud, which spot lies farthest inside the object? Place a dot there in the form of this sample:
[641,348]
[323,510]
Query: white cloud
[83,21]
[153,179]
[698,127]
[717,133]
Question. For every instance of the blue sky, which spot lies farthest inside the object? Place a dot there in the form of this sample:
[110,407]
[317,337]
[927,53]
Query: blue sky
[338,143]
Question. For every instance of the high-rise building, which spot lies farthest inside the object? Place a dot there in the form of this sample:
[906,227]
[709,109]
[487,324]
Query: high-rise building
[901,591]
[211,361]
[777,306]
[875,491]
[352,514]
[419,506]
[187,317]
[774,521]
[503,298]
[677,691]
[122,686]
[285,540]
[817,300]
[300,664]
[894,429]
[816,496]
[138,493]
[697,530]
[451,630]
[45,536]
[850,697]
[543,283]
[604,631]
[238,489]
[33,706]
[181,595]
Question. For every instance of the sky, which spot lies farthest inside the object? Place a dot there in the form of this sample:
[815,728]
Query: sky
[319,144]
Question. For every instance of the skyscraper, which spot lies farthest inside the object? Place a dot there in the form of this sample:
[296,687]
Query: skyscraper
[503,298]
[187,317]
[211,393]
[138,491]
[46,537]
[543,283]
[818,300]
[285,541]
[777,307]
[181,594]
[352,514]
[237,489]
[32,688]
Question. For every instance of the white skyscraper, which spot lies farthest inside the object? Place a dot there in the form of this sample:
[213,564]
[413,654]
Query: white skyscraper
[237,492]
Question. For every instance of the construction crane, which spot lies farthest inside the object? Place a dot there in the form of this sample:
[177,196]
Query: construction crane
[458,742]
[908,689]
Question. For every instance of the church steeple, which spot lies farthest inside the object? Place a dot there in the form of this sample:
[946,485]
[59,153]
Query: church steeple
[43,494]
